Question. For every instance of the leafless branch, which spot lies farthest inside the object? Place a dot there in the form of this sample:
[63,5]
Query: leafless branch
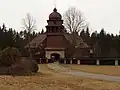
[29,25]
[73,20]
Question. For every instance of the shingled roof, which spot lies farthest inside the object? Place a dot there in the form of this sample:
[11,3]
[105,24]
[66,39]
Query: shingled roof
[79,41]
[37,41]
[40,38]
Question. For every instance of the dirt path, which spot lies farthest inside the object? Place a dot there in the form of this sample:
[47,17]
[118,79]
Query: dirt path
[104,70]
[94,76]
[58,68]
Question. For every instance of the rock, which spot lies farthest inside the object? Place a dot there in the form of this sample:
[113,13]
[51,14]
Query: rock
[18,69]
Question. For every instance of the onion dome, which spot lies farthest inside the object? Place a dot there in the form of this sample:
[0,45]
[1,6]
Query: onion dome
[55,15]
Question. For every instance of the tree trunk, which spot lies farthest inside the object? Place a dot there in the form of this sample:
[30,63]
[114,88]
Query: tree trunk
[29,49]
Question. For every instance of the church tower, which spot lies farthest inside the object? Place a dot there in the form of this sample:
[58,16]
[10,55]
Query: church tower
[55,23]
[55,35]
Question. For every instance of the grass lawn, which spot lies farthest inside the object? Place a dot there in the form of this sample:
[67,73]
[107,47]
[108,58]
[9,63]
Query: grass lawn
[49,80]
[107,70]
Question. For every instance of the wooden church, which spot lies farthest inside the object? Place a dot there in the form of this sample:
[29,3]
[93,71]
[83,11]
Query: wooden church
[56,42]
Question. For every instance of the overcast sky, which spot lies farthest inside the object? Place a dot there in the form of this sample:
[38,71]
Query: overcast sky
[99,13]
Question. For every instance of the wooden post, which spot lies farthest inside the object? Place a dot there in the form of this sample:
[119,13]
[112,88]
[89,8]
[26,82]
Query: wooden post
[40,61]
[78,61]
[97,62]
[46,60]
[64,61]
[116,63]
[70,61]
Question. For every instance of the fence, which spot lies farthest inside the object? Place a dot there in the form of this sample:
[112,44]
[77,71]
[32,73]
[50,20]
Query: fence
[84,61]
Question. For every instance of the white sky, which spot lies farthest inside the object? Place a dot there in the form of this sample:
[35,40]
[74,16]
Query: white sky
[99,13]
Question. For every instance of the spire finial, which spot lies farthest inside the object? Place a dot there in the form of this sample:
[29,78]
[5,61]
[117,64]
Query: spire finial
[55,10]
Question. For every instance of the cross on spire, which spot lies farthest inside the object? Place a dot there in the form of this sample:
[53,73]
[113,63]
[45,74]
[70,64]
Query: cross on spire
[54,3]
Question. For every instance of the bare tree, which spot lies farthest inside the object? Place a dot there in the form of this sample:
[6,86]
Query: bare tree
[30,25]
[73,20]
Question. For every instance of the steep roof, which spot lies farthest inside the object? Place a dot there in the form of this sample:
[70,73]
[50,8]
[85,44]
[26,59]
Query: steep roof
[36,41]
[78,40]
[40,38]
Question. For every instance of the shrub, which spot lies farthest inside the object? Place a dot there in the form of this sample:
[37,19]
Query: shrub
[12,64]
[4,70]
[9,56]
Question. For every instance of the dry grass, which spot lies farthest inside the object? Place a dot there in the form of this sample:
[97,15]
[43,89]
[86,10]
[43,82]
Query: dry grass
[107,70]
[49,80]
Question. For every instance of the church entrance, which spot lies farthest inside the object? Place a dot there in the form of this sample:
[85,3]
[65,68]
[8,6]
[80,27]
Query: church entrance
[55,56]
